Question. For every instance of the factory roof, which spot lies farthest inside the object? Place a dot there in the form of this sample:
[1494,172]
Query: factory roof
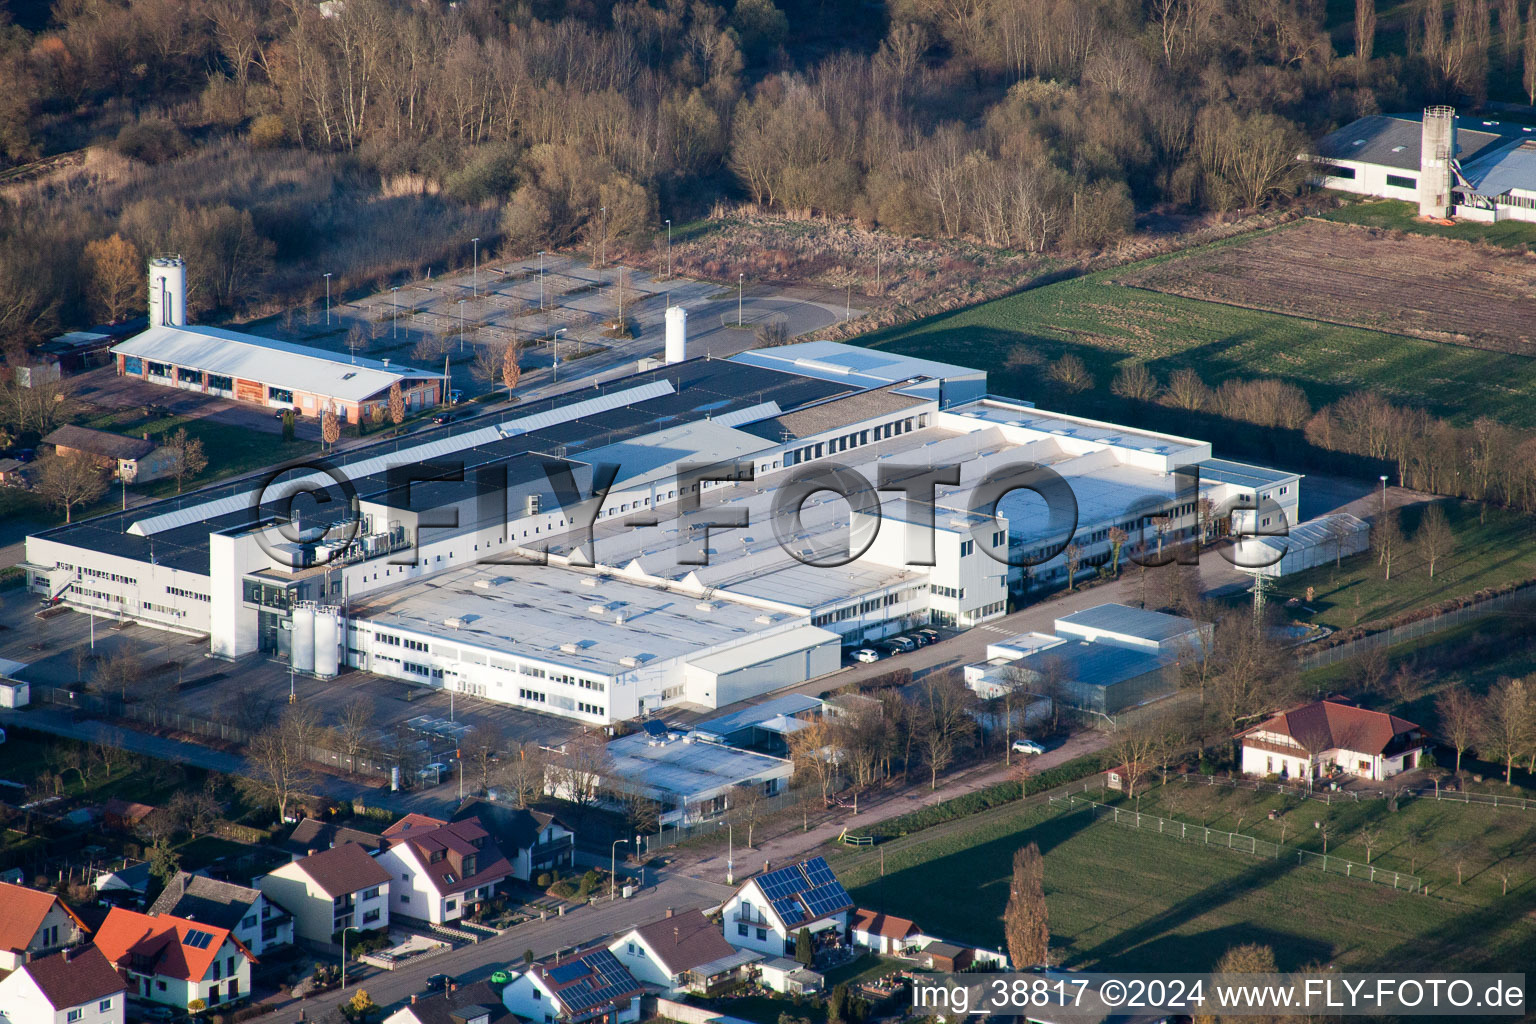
[174,532]
[1123,619]
[1393,140]
[833,413]
[267,361]
[722,727]
[1011,413]
[1312,533]
[765,648]
[1242,474]
[688,770]
[1096,664]
[861,367]
[1499,171]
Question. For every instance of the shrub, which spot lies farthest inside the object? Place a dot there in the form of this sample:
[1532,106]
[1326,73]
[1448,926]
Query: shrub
[267,132]
[544,881]
[152,142]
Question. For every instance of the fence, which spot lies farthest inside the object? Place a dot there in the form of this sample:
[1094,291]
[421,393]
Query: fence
[1327,796]
[1236,841]
[1514,601]
[765,807]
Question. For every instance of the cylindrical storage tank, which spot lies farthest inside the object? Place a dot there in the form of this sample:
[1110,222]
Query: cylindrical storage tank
[303,657]
[327,641]
[167,292]
[1437,150]
[677,334]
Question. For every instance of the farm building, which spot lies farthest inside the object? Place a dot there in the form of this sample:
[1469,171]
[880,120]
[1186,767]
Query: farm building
[1450,166]
[129,459]
[1308,545]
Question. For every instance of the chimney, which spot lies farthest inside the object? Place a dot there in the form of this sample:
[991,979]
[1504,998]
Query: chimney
[676,938]
[312,852]
[670,911]
[453,986]
[413,998]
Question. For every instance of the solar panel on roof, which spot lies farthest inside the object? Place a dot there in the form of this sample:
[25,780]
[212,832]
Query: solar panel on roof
[197,939]
[818,873]
[655,728]
[789,910]
[567,972]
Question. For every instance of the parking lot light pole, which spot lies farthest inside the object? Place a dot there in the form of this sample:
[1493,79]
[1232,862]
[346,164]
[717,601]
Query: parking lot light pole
[741,280]
[669,248]
[555,377]
[475,279]
[348,928]
[394,295]
[541,279]
[327,300]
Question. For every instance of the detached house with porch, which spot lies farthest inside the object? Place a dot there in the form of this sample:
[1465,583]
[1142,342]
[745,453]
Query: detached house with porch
[1311,741]
[175,961]
[589,985]
[338,888]
[682,952]
[440,870]
[767,913]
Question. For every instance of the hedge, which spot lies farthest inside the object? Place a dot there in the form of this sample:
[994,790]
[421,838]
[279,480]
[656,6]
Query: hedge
[992,796]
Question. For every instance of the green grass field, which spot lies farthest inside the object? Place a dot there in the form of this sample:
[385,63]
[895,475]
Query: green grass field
[1489,552]
[1108,325]
[1400,216]
[1122,899]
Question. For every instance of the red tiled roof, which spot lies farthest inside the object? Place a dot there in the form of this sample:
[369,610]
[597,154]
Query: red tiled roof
[1337,725]
[75,976]
[877,923]
[21,914]
[444,849]
[158,944]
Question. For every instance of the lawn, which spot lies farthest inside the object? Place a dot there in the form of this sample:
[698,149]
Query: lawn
[1109,325]
[1400,216]
[1490,550]
[1122,899]
[231,450]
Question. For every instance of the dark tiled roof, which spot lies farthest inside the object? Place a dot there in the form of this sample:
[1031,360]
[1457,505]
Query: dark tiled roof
[834,413]
[313,834]
[75,976]
[343,869]
[460,1005]
[199,898]
[514,828]
[99,442]
[1395,140]
[588,982]
[685,941]
[456,856]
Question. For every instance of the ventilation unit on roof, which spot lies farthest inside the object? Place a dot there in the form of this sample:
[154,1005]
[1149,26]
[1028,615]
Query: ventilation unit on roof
[531,505]
[569,648]
[589,581]
[454,623]
[629,661]
[705,606]
[482,584]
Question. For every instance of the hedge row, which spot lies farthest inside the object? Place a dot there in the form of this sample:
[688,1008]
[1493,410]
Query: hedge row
[992,796]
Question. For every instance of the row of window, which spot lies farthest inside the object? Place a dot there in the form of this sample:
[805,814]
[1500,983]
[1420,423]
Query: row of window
[590,709]
[104,1006]
[958,593]
[181,592]
[533,695]
[854,440]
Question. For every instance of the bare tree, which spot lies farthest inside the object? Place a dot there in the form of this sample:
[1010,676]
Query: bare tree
[67,482]
[524,773]
[1507,724]
[944,722]
[580,771]
[1434,537]
[396,404]
[330,426]
[746,802]
[478,750]
[1187,391]
[1365,29]
[186,456]
[1074,563]
[1136,749]
[511,366]
[1070,374]
[486,368]
[354,730]
[1370,837]
[115,276]
[1135,381]
[815,753]
[276,770]
[1387,539]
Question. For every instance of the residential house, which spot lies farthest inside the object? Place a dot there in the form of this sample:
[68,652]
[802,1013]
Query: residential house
[34,924]
[129,459]
[470,1004]
[175,961]
[767,913]
[1310,741]
[338,888]
[680,953]
[256,921]
[311,835]
[129,883]
[440,870]
[533,842]
[77,986]
[589,985]
[124,814]
[883,933]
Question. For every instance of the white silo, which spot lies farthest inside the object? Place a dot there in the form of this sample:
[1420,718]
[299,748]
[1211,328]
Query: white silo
[302,657]
[327,641]
[677,334]
[167,292]
[1437,150]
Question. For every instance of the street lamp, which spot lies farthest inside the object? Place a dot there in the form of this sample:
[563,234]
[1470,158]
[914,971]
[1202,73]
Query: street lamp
[613,864]
[394,296]
[348,928]
[602,252]
[475,279]
[461,325]
[669,248]
[327,300]
[1383,494]
[555,376]
[730,853]
[741,280]
[541,279]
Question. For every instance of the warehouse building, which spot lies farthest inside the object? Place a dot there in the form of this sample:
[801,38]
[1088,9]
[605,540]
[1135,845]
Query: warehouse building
[483,579]
[1449,166]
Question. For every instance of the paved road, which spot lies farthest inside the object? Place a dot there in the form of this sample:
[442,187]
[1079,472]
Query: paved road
[475,963]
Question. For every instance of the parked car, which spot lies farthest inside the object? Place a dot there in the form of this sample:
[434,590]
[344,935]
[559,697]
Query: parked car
[932,635]
[455,396]
[900,645]
[1027,747]
[866,655]
[280,413]
[433,773]
[918,640]
[438,983]
[152,1013]
[25,454]
[444,417]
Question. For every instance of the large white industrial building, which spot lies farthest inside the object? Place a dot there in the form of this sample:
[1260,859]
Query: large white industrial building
[447,560]
[1480,170]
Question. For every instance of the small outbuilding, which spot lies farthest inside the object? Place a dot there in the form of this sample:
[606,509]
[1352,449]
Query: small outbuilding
[129,459]
[883,933]
[946,957]
[790,977]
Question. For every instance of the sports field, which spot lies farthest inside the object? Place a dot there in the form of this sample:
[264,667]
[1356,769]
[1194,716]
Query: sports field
[1108,325]
[1125,899]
